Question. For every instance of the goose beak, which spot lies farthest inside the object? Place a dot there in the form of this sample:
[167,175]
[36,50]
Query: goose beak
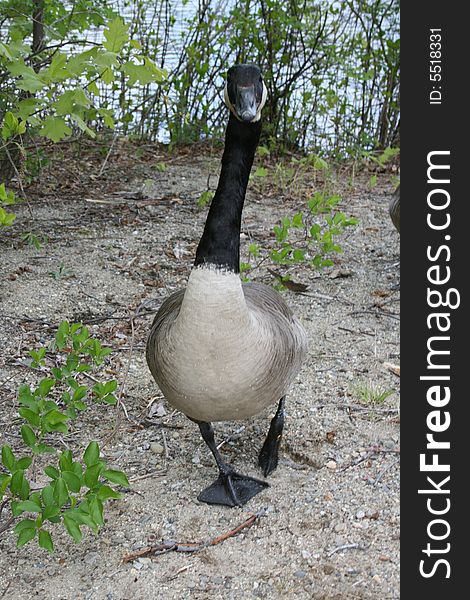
[245,106]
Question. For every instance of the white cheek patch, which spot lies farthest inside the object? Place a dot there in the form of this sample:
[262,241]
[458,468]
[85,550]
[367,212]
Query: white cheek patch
[260,107]
[227,101]
[264,97]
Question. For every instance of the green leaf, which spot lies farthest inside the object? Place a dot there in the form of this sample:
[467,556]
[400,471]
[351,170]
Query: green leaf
[73,481]
[62,334]
[96,510]
[30,415]
[297,220]
[8,459]
[55,416]
[10,126]
[61,495]
[83,126]
[116,35]
[261,172]
[56,71]
[5,51]
[28,435]
[25,536]
[105,492]
[91,454]
[72,528]
[205,198]
[29,506]
[55,129]
[116,477]
[45,540]
[19,485]
[137,73]
[47,495]
[50,512]
[79,393]
[81,516]
[25,396]
[4,483]
[57,372]
[66,461]
[106,114]
[24,524]
[29,81]
[24,462]
[6,218]
[92,474]
[52,472]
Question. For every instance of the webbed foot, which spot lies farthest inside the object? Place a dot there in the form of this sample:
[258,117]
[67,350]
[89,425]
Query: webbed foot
[232,489]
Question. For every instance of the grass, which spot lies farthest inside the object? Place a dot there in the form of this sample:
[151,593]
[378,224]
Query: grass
[370,393]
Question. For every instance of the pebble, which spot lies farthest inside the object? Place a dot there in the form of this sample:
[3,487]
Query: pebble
[360,514]
[300,574]
[91,558]
[156,448]
[331,464]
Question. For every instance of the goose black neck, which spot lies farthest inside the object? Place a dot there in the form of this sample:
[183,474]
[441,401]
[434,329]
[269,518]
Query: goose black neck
[220,242]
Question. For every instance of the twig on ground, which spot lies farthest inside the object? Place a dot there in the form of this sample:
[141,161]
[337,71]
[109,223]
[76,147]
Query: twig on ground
[120,404]
[363,408]
[165,445]
[181,570]
[158,473]
[345,547]
[170,546]
[7,380]
[8,523]
[356,462]
[376,313]
[383,471]
[7,587]
[377,449]
[231,437]
[103,166]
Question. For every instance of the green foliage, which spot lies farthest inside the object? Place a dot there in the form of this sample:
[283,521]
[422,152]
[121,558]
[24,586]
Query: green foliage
[331,69]
[52,86]
[77,489]
[318,243]
[370,393]
[307,237]
[7,198]
[205,198]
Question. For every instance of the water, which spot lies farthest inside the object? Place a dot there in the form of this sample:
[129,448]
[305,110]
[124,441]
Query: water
[160,112]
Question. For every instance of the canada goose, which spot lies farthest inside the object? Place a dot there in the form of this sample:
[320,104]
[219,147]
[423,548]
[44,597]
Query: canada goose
[394,209]
[219,349]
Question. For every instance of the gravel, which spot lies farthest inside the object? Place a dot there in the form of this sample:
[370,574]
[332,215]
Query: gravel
[330,524]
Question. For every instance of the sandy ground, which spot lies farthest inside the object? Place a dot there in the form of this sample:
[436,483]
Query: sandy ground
[329,522]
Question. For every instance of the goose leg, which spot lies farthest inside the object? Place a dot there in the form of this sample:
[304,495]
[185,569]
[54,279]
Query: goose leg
[269,455]
[230,488]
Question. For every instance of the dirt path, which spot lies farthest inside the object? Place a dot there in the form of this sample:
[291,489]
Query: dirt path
[330,520]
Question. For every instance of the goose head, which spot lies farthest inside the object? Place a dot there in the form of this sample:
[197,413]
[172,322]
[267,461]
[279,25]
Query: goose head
[245,92]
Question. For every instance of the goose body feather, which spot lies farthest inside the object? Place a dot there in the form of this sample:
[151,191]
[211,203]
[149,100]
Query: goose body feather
[222,350]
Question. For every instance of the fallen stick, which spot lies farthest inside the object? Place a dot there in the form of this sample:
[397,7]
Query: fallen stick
[170,546]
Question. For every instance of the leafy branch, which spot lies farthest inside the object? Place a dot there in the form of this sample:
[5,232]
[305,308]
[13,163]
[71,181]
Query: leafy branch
[77,490]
